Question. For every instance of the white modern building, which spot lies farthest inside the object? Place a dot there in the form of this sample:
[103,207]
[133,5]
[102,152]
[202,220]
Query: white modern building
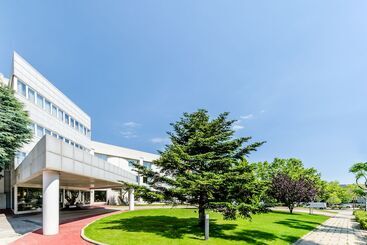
[62,165]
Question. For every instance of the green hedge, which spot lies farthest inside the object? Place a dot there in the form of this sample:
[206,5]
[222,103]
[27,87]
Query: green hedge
[361,217]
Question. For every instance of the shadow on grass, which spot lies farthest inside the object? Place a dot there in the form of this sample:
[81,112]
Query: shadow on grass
[176,228]
[298,224]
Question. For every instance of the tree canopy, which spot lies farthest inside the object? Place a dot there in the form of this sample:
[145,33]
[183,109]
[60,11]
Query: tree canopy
[206,166]
[14,126]
[288,181]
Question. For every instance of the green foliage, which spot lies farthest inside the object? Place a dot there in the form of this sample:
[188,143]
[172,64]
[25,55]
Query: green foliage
[205,166]
[333,199]
[360,172]
[295,170]
[361,217]
[14,122]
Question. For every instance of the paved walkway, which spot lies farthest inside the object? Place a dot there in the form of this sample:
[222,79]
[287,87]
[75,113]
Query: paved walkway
[69,233]
[338,230]
[26,229]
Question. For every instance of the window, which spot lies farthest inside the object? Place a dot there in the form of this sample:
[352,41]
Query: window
[60,115]
[54,134]
[72,143]
[22,90]
[19,157]
[100,196]
[29,198]
[32,127]
[148,165]
[66,118]
[131,162]
[101,156]
[61,138]
[76,125]
[47,131]
[31,95]
[67,141]
[48,106]
[81,128]
[39,131]
[54,111]
[72,122]
[39,100]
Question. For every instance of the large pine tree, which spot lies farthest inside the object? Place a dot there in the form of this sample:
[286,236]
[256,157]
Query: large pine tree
[14,126]
[204,165]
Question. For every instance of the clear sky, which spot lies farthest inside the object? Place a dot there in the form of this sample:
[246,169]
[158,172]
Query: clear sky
[293,72]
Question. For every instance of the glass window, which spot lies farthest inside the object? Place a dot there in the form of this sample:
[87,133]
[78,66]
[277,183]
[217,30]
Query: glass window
[29,198]
[131,162]
[66,118]
[67,141]
[101,156]
[60,115]
[81,128]
[39,131]
[71,121]
[31,95]
[72,143]
[39,101]
[85,130]
[54,134]
[19,157]
[47,131]
[76,125]
[100,196]
[148,165]
[54,110]
[61,138]
[22,88]
[48,106]
[32,127]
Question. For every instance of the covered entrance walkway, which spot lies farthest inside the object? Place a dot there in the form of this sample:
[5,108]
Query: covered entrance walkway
[55,167]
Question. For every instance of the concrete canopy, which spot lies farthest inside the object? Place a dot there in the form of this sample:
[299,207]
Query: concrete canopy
[77,168]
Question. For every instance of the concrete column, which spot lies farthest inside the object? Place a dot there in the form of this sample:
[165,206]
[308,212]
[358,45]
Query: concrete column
[91,197]
[50,204]
[131,200]
[15,197]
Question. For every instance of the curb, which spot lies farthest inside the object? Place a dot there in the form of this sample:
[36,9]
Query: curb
[84,237]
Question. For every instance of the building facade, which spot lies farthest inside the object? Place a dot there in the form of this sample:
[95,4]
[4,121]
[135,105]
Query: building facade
[62,165]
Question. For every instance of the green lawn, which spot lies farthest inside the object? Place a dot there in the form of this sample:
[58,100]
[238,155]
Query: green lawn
[179,226]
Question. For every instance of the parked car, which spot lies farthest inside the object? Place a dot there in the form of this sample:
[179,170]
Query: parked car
[319,205]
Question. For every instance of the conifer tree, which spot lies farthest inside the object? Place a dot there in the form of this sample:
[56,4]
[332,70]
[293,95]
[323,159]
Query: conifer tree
[206,166]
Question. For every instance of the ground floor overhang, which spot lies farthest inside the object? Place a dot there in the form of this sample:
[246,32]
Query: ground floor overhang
[54,166]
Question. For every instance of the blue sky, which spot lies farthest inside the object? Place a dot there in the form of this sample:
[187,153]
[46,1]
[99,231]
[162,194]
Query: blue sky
[293,72]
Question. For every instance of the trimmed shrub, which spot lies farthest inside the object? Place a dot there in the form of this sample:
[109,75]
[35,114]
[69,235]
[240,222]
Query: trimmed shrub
[361,217]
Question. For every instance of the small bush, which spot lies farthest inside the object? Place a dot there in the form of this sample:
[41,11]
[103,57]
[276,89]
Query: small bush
[361,217]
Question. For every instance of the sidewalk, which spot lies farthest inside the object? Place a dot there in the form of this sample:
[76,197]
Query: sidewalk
[338,230]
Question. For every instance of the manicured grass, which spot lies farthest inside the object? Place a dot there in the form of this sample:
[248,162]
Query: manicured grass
[179,226]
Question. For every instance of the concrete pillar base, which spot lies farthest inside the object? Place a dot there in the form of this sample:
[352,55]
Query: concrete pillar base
[50,202]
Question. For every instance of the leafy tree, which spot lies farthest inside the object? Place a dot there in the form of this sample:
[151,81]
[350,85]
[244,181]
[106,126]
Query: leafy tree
[204,165]
[333,199]
[360,172]
[14,126]
[292,191]
[294,169]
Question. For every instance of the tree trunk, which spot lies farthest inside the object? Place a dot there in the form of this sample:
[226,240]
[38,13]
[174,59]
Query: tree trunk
[201,216]
[291,206]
